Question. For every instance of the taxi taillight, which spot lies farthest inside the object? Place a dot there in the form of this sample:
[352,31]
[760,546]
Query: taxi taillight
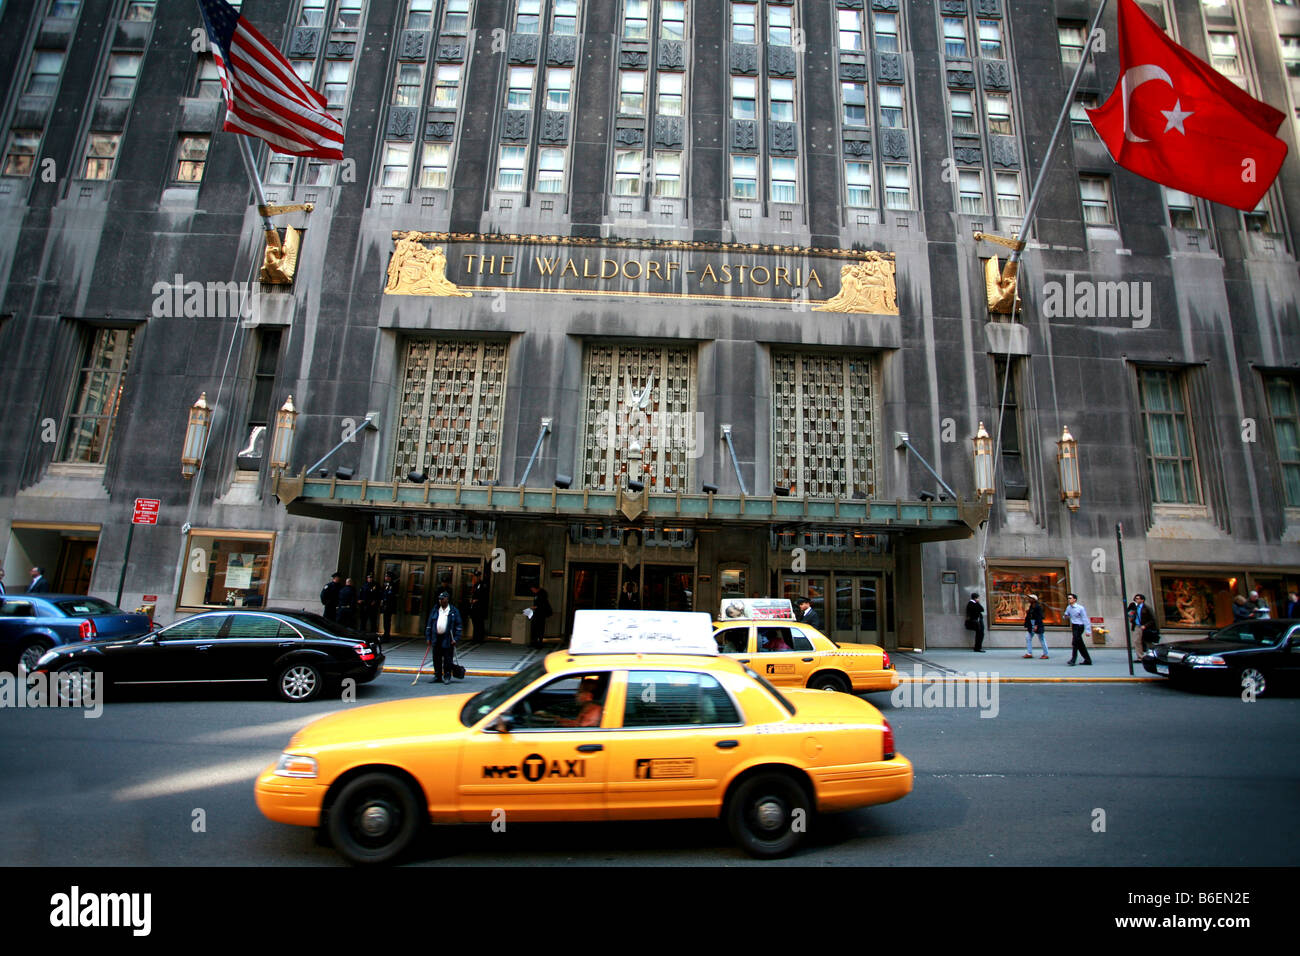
[886,664]
[88,630]
[887,742]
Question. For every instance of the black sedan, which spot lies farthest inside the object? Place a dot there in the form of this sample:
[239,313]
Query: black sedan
[301,654]
[1261,655]
[31,624]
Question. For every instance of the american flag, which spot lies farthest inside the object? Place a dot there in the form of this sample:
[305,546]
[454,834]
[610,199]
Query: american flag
[264,96]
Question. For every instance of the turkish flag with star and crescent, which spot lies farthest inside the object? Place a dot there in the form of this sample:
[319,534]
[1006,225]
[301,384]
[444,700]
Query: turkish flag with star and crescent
[1175,120]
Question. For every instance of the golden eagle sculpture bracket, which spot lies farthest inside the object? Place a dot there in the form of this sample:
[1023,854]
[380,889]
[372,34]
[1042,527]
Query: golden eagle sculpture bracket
[1000,284]
[417,270]
[867,286]
[281,258]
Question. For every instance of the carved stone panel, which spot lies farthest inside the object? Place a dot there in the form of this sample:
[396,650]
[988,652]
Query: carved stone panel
[555,127]
[304,42]
[780,61]
[633,59]
[953,8]
[849,4]
[341,49]
[561,50]
[889,67]
[668,132]
[783,137]
[855,69]
[989,8]
[438,129]
[893,143]
[672,55]
[996,75]
[884,5]
[402,122]
[744,59]
[1006,151]
[629,136]
[961,79]
[414,45]
[967,155]
[451,50]
[515,124]
[857,147]
[522,48]
[744,134]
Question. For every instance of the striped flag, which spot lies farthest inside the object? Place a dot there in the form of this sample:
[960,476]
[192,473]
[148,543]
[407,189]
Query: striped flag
[264,96]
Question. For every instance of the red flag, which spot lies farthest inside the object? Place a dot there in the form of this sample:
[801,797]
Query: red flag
[1175,120]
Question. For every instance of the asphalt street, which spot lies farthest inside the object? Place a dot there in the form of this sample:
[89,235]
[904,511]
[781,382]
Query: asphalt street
[1120,775]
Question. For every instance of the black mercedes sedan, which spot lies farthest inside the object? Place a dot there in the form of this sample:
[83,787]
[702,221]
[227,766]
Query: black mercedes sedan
[302,655]
[1263,656]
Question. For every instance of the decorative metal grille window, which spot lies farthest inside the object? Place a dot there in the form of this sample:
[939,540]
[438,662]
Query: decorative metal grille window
[823,424]
[639,417]
[449,420]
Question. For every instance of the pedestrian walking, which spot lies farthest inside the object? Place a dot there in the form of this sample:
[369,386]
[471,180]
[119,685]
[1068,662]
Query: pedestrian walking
[348,604]
[1144,622]
[443,632]
[541,611]
[808,615]
[388,601]
[368,601]
[1034,625]
[975,621]
[329,596]
[1080,625]
[478,607]
[1292,607]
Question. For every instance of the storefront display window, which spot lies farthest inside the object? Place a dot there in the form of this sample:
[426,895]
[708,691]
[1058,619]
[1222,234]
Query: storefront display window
[1009,589]
[226,569]
[1203,597]
[731,582]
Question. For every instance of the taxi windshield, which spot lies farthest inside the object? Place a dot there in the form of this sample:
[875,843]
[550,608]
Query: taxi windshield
[486,701]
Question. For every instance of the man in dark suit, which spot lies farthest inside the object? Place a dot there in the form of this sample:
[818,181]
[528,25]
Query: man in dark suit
[329,597]
[807,615]
[1144,622]
[541,611]
[39,585]
[1291,609]
[388,601]
[478,607]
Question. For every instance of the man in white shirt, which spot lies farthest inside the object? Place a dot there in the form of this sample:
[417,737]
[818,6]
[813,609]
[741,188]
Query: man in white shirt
[443,633]
[1080,625]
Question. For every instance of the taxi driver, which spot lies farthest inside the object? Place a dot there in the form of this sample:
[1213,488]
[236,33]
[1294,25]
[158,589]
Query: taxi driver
[589,711]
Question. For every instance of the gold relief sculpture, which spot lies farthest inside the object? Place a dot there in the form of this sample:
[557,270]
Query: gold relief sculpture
[867,286]
[415,270]
[281,259]
[1001,288]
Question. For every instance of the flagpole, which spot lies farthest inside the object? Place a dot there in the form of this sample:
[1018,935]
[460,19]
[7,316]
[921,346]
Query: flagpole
[1031,207]
[246,151]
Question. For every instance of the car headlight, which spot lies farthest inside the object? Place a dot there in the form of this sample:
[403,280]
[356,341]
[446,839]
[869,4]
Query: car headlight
[295,765]
[1205,660]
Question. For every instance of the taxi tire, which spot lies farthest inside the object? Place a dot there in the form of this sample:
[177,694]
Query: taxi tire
[830,680]
[770,792]
[373,790]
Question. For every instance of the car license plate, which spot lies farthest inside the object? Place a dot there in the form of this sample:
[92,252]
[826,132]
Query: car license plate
[1162,668]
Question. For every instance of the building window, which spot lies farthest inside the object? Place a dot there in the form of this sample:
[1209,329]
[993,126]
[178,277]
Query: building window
[627,172]
[780,25]
[337,75]
[446,86]
[419,15]
[671,86]
[636,19]
[1010,202]
[564,20]
[528,16]
[891,107]
[319,173]
[123,68]
[991,39]
[1259,219]
[101,153]
[434,165]
[998,106]
[631,92]
[224,569]
[207,81]
[559,82]
[349,15]
[407,85]
[520,94]
[898,187]
[510,168]
[305,69]
[1015,485]
[450,409]
[970,189]
[20,155]
[1291,56]
[139,11]
[455,20]
[191,158]
[823,424]
[744,23]
[781,98]
[1284,409]
[744,177]
[43,77]
[312,13]
[1223,54]
[886,32]
[1071,35]
[1080,126]
[97,397]
[672,23]
[668,174]
[550,170]
[1009,589]
[397,165]
[855,103]
[279,170]
[963,113]
[1182,209]
[64,9]
[646,440]
[1095,194]
[1170,454]
[785,187]
[954,37]
[857,176]
[261,405]
[744,94]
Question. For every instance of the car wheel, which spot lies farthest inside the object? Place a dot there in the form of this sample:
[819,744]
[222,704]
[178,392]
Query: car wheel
[300,682]
[75,684]
[28,657]
[1253,677]
[768,815]
[830,681]
[374,820]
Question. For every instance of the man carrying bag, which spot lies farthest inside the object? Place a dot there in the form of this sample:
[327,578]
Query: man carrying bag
[443,632]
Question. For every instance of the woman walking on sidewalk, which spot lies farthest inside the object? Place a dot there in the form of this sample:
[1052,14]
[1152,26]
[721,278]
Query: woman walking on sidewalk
[1034,625]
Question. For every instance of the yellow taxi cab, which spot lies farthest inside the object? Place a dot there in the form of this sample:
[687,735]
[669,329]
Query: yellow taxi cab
[641,718]
[790,653]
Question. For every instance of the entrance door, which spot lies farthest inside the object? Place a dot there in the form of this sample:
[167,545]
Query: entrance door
[455,578]
[668,587]
[76,561]
[858,607]
[592,586]
[411,574]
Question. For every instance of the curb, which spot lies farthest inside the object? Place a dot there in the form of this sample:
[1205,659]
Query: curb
[401,669]
[944,678]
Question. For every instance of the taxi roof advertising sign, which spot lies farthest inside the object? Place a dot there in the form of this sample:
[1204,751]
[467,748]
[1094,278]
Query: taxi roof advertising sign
[756,609]
[642,632]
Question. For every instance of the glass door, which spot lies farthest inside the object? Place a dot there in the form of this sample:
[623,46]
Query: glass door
[410,573]
[857,609]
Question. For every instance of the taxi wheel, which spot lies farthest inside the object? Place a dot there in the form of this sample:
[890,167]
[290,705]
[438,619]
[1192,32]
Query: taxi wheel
[830,681]
[300,682]
[374,820]
[768,815]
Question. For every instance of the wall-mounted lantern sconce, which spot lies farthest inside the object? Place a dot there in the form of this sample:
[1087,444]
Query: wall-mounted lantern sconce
[196,436]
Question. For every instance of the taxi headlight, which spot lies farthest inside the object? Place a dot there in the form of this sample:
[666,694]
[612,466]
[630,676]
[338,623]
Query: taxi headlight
[295,765]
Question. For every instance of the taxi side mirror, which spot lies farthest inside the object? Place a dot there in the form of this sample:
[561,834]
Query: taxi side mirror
[501,725]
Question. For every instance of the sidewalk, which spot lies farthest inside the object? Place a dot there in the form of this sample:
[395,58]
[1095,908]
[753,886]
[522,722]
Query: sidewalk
[499,658]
